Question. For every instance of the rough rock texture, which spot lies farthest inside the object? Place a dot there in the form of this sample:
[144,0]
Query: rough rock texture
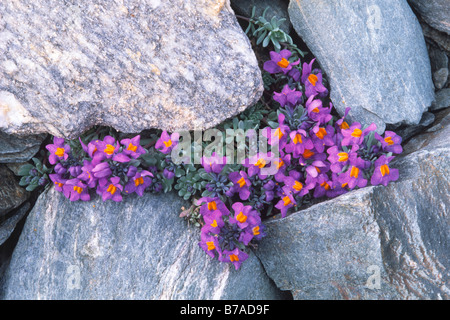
[276,8]
[8,223]
[136,249]
[131,65]
[11,194]
[374,56]
[435,12]
[19,149]
[440,39]
[442,99]
[397,234]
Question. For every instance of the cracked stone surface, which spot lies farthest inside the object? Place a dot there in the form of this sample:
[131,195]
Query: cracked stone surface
[137,249]
[374,56]
[131,65]
[374,243]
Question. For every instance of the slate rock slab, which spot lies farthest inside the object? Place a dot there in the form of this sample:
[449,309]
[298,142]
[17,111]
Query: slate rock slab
[17,149]
[374,243]
[374,55]
[435,12]
[11,194]
[137,249]
[134,65]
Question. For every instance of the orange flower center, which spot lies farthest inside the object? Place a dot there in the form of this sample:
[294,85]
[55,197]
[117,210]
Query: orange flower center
[298,186]
[214,224]
[308,154]
[78,189]
[212,205]
[384,170]
[260,163]
[389,141]
[111,189]
[241,182]
[356,133]
[138,181]
[233,257]
[241,217]
[321,133]
[354,173]
[167,143]
[59,152]
[313,79]
[344,125]
[343,156]
[278,133]
[59,184]
[297,138]
[109,149]
[210,245]
[283,63]
[286,201]
[256,231]
[132,147]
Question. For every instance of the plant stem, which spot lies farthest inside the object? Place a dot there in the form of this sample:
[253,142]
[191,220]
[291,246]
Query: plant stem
[243,18]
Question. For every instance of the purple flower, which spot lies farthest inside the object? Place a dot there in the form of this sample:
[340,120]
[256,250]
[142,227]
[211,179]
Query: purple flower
[110,189]
[108,147]
[313,82]
[339,158]
[168,174]
[214,221]
[354,134]
[287,201]
[58,150]
[316,168]
[279,62]
[133,147]
[391,142]
[140,181]
[383,174]
[353,176]
[209,205]
[241,184]
[236,257]
[322,137]
[293,183]
[92,148]
[244,216]
[209,243]
[214,163]
[323,185]
[278,135]
[317,112]
[287,96]
[78,190]
[87,175]
[60,184]
[101,170]
[300,141]
[166,142]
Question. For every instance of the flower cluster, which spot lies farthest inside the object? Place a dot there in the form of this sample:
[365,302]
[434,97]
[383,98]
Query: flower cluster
[227,233]
[314,153]
[108,166]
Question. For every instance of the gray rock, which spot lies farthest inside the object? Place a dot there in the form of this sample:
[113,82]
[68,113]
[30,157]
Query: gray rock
[11,194]
[8,223]
[276,8]
[130,65]
[137,249]
[370,67]
[438,58]
[438,38]
[19,149]
[408,131]
[435,12]
[374,243]
[440,78]
[442,99]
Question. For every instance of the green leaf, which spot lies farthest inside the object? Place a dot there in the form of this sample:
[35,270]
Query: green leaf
[31,187]
[266,41]
[23,181]
[25,169]
[261,37]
